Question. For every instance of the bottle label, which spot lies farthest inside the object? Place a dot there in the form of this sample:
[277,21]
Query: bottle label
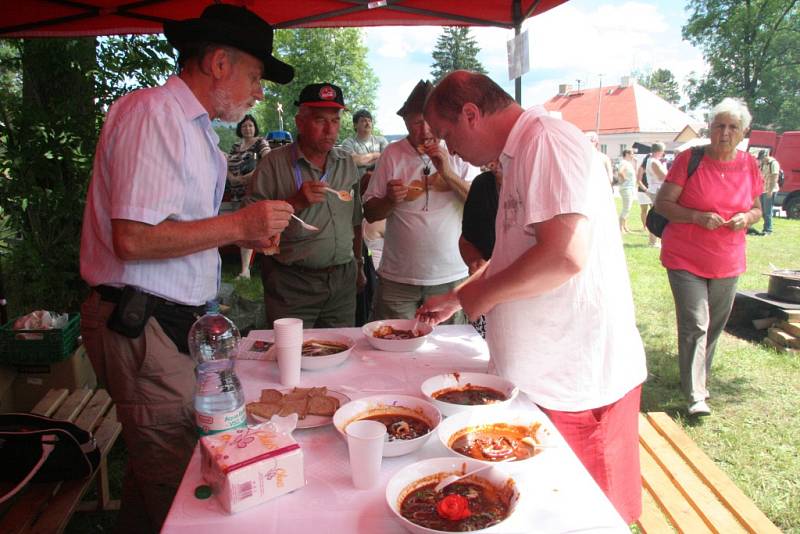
[208,424]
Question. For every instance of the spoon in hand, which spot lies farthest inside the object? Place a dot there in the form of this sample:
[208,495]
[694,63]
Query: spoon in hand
[446,481]
[305,224]
[343,195]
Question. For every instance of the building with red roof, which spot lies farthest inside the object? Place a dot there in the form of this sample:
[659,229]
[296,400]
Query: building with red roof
[624,114]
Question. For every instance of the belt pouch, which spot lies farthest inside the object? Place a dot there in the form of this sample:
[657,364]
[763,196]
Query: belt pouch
[132,312]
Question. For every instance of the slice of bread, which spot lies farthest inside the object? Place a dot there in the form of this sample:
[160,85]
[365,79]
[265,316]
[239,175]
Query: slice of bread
[298,406]
[322,406]
[271,395]
[318,392]
[262,409]
[297,393]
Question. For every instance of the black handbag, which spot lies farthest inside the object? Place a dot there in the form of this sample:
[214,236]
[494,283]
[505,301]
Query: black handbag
[40,449]
[655,222]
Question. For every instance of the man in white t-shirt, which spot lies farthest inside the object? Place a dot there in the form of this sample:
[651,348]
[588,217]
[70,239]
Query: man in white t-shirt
[556,293]
[420,190]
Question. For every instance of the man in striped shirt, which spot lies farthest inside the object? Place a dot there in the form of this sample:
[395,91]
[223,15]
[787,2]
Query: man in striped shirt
[150,237]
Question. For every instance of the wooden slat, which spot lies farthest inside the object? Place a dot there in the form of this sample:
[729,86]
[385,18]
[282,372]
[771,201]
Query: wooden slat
[671,501]
[693,487]
[652,520]
[791,328]
[751,517]
[50,402]
[28,507]
[73,405]
[93,412]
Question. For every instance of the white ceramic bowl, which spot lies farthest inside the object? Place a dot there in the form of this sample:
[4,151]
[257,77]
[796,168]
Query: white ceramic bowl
[312,363]
[397,345]
[460,380]
[377,404]
[462,420]
[412,476]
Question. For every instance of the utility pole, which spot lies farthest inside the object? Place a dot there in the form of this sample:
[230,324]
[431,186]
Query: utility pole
[599,101]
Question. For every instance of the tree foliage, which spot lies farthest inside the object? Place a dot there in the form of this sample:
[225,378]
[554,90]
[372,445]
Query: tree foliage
[662,82]
[335,55]
[455,49]
[53,94]
[751,47]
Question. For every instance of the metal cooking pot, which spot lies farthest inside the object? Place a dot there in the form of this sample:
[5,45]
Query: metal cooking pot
[785,285]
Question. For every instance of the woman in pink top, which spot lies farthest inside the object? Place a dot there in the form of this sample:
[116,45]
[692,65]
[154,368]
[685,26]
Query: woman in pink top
[703,246]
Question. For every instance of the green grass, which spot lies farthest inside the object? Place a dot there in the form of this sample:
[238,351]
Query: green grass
[754,432]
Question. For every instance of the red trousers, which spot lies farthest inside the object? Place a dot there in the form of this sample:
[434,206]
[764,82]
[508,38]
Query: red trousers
[606,440]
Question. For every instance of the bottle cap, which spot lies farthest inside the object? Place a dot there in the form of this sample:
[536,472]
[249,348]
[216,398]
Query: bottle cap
[202,492]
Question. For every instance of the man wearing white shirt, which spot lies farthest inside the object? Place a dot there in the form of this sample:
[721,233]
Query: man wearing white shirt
[150,238]
[556,293]
[420,190]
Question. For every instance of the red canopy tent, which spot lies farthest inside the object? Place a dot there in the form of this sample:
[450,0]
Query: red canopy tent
[75,18]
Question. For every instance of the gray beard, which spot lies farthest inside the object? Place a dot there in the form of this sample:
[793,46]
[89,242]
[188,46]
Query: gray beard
[227,110]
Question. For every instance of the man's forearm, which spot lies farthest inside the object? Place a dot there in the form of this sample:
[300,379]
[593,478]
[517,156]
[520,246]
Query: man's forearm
[377,209]
[461,187]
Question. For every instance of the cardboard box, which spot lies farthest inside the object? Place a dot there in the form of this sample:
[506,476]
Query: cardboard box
[248,466]
[35,380]
[7,376]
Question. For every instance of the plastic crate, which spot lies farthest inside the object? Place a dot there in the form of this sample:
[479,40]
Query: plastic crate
[54,346]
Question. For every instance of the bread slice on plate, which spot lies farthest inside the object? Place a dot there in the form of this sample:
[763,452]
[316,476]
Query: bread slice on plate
[271,395]
[263,409]
[298,406]
[325,406]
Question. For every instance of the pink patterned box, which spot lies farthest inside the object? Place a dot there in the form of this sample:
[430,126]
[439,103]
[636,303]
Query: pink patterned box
[248,466]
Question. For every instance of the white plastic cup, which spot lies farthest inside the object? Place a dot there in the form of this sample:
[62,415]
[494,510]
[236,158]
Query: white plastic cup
[289,364]
[365,443]
[288,332]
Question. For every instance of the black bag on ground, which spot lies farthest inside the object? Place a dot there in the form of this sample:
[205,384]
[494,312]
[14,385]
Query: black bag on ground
[656,222]
[40,449]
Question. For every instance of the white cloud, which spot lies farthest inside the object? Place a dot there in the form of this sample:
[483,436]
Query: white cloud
[581,39]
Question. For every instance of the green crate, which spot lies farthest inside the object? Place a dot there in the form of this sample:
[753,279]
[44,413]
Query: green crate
[54,346]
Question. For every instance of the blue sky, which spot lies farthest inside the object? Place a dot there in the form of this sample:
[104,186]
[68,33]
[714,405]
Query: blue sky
[579,40]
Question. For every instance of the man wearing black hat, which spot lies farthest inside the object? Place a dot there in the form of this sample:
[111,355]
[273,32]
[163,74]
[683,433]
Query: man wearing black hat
[419,188]
[150,237]
[315,274]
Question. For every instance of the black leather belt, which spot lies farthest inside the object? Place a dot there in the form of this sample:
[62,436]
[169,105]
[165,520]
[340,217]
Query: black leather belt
[113,294]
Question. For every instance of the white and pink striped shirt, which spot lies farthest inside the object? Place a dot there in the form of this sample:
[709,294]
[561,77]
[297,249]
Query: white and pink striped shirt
[157,159]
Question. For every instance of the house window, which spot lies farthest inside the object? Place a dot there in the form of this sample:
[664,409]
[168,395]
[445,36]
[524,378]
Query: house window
[604,149]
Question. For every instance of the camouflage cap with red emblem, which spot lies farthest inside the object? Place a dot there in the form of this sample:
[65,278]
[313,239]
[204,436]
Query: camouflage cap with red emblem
[321,95]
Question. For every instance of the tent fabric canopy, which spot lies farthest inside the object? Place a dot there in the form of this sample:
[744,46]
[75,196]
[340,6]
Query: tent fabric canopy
[80,18]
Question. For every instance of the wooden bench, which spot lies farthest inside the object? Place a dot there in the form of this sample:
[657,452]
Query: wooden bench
[48,507]
[684,491]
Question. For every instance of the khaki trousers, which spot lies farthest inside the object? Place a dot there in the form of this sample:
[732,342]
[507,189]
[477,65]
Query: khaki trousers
[702,307]
[394,300]
[152,385]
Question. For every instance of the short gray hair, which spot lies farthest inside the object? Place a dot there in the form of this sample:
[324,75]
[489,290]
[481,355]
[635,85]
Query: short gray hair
[658,147]
[736,108]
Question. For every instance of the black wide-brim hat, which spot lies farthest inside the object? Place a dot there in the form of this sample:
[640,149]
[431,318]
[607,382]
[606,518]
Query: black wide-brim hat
[236,27]
[416,100]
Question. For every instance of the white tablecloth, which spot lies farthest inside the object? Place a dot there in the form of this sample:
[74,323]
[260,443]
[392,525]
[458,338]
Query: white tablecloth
[557,493]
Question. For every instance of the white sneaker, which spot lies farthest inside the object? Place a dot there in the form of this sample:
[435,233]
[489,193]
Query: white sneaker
[699,408]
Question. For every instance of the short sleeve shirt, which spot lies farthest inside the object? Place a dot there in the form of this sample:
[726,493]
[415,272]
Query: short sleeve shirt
[575,347]
[274,179]
[156,159]
[353,145]
[722,187]
[421,241]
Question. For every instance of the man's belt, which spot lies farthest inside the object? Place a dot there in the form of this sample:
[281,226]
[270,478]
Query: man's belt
[113,294]
[313,270]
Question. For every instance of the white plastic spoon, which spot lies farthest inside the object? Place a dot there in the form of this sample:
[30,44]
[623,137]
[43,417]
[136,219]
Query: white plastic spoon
[343,195]
[305,224]
[446,481]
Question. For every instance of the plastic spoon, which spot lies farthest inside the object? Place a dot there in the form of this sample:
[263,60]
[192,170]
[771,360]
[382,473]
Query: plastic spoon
[343,195]
[446,481]
[305,224]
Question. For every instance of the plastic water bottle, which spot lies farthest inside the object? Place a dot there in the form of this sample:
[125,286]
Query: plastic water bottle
[218,396]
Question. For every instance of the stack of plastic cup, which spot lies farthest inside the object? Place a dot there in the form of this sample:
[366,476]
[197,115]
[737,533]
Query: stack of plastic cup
[289,347]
